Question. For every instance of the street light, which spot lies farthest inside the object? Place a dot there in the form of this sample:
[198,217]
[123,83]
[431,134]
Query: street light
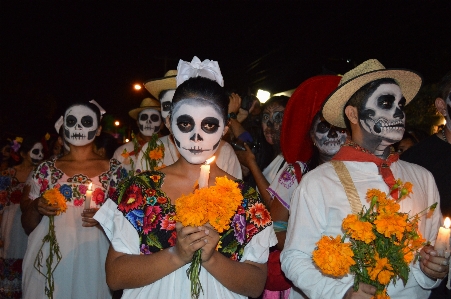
[117,123]
[263,95]
[137,86]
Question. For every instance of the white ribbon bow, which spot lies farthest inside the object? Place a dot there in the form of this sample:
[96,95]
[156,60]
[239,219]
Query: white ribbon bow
[196,68]
[102,111]
[59,123]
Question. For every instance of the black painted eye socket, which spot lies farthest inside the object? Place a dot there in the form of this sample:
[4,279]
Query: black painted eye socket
[185,123]
[87,121]
[386,101]
[154,117]
[166,106]
[323,127]
[71,121]
[402,103]
[143,117]
[35,151]
[277,117]
[210,125]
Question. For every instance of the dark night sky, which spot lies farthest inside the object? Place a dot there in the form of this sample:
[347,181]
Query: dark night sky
[53,53]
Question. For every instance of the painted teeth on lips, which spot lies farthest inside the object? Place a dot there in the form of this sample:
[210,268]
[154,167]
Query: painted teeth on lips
[78,135]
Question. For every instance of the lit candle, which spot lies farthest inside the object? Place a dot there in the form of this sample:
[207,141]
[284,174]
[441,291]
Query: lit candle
[205,173]
[88,197]
[442,243]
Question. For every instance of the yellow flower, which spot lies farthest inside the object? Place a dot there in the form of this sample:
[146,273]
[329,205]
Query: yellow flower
[156,154]
[382,271]
[358,230]
[391,224]
[56,199]
[375,193]
[333,257]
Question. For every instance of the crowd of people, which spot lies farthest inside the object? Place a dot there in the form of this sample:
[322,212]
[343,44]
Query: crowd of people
[297,165]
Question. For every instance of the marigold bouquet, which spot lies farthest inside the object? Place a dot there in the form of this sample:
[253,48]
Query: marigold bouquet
[215,205]
[382,242]
[56,199]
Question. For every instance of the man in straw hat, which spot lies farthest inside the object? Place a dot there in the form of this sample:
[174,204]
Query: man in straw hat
[145,151]
[164,89]
[369,101]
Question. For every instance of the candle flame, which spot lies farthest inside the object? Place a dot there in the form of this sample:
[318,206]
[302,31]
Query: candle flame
[447,222]
[90,186]
[210,160]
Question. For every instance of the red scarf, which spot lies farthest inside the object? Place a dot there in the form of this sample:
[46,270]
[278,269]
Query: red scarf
[351,151]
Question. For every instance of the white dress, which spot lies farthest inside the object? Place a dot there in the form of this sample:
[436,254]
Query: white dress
[81,272]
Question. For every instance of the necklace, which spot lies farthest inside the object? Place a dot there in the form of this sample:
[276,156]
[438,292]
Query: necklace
[444,136]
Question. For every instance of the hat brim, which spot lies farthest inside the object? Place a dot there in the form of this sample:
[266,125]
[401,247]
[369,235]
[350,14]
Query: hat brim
[135,112]
[156,86]
[409,82]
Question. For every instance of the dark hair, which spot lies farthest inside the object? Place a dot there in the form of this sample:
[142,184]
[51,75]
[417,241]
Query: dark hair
[108,142]
[281,100]
[90,106]
[444,86]
[203,89]
[27,143]
[359,98]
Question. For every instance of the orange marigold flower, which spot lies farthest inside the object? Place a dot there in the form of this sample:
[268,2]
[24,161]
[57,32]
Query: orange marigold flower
[56,199]
[156,154]
[333,257]
[375,193]
[382,271]
[391,224]
[381,295]
[259,214]
[358,230]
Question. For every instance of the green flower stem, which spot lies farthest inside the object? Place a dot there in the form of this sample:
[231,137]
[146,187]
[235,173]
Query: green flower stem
[193,274]
[54,252]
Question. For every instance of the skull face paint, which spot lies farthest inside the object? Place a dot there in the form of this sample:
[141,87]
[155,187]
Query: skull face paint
[382,114]
[149,121]
[166,102]
[36,153]
[80,125]
[328,139]
[272,122]
[197,130]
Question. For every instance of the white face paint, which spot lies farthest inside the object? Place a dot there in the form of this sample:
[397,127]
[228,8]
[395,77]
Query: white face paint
[382,115]
[80,125]
[36,153]
[328,139]
[448,111]
[197,130]
[166,102]
[149,121]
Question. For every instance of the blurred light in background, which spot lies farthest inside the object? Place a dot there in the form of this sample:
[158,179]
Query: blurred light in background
[263,95]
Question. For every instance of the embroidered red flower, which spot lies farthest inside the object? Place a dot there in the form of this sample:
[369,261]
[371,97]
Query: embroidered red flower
[15,196]
[173,238]
[168,222]
[150,192]
[251,230]
[78,202]
[44,184]
[162,200]
[3,197]
[259,214]
[131,200]
[155,177]
[98,196]
[151,218]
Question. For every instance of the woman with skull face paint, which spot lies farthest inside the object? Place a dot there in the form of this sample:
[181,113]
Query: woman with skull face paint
[157,269]
[13,237]
[83,245]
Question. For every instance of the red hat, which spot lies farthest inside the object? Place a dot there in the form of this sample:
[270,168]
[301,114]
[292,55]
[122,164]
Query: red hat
[298,115]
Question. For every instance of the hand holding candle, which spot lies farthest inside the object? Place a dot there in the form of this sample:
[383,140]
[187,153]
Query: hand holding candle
[442,245]
[205,173]
[88,197]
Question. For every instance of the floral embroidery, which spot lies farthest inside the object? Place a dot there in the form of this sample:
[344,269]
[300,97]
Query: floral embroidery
[153,219]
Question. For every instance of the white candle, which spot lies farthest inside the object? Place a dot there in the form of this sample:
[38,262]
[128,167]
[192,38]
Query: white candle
[442,243]
[88,197]
[205,173]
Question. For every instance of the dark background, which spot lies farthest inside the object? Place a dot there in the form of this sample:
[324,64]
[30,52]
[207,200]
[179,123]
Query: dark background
[55,53]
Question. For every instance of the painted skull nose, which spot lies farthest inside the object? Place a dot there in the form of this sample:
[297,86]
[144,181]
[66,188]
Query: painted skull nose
[196,138]
[270,124]
[332,132]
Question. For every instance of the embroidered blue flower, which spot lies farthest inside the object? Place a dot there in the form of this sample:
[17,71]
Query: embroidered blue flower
[239,228]
[151,200]
[66,191]
[5,182]
[136,219]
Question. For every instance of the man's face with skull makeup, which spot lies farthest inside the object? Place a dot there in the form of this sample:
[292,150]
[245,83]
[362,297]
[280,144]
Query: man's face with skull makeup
[149,121]
[166,101]
[382,113]
[272,122]
[197,130]
[328,139]
[36,153]
[80,125]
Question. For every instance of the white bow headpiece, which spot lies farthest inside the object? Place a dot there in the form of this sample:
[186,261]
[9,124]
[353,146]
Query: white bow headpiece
[102,111]
[196,68]
[59,123]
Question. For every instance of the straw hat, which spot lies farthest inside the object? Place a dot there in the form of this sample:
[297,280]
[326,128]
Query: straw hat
[370,70]
[155,86]
[147,103]
[298,116]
